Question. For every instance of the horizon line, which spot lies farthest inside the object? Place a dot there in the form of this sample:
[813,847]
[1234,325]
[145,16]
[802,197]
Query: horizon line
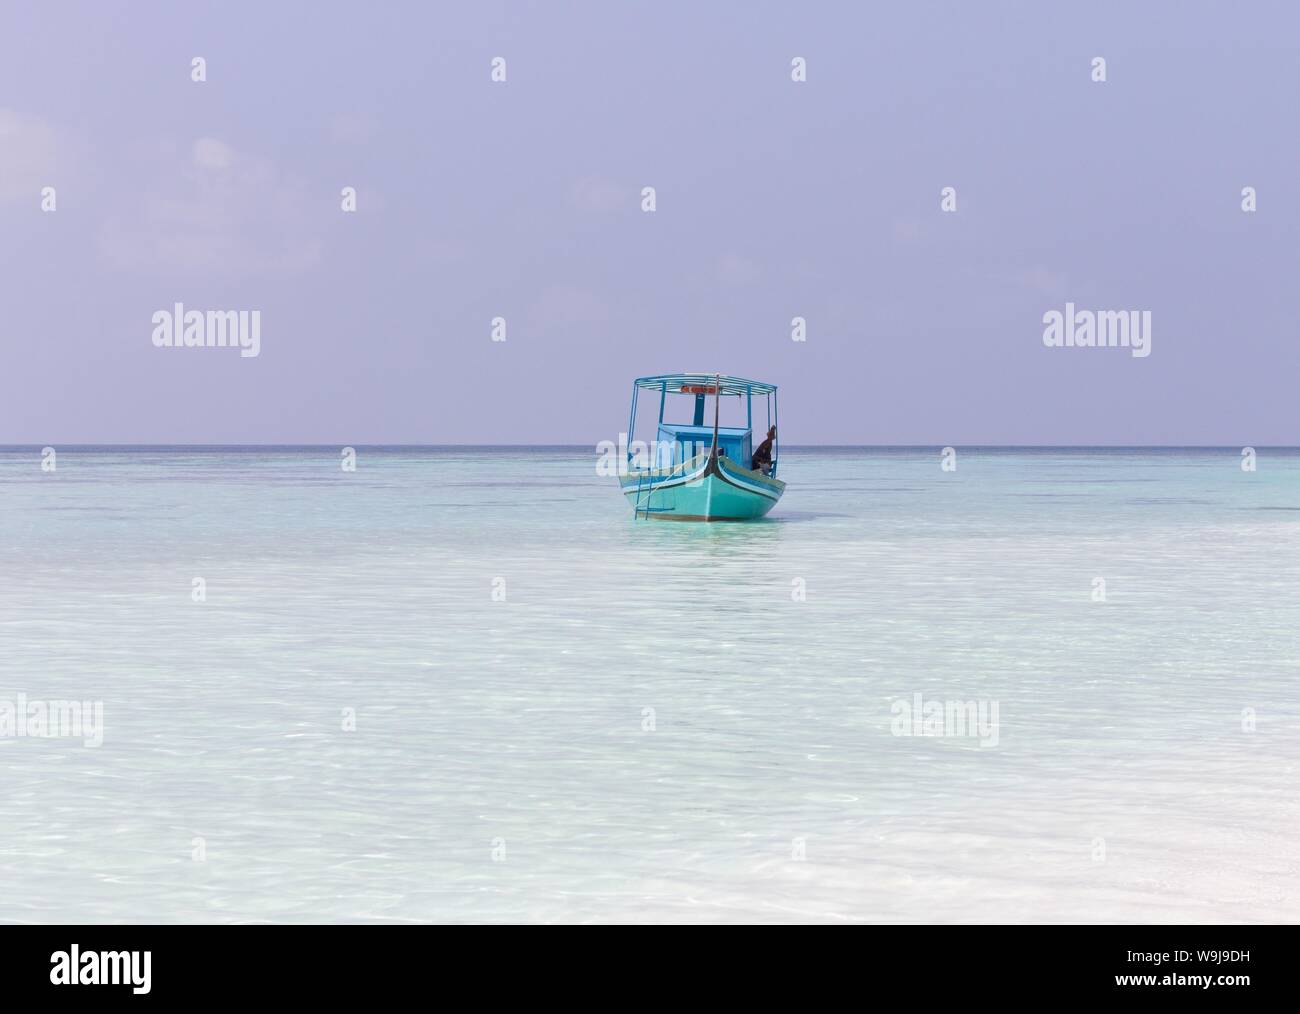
[583,446]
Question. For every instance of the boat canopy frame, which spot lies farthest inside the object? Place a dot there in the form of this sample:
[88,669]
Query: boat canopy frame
[701,385]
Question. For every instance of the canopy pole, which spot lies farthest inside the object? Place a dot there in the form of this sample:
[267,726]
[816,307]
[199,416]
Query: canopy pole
[631,423]
[775,441]
[717,410]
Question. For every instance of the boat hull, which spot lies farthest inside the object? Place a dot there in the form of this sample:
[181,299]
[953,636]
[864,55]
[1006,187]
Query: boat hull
[705,489]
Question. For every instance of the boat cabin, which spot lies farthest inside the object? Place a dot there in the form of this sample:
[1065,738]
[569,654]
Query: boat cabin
[679,443]
[683,394]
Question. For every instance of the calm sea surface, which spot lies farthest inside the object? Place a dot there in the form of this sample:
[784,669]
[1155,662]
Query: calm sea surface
[463,684]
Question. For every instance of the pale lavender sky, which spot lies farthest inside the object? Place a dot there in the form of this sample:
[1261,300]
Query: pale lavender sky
[775,199]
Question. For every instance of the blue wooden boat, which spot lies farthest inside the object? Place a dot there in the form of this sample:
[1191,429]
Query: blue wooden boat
[694,471]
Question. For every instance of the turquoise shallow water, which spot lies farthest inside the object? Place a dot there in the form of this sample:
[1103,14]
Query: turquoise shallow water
[658,722]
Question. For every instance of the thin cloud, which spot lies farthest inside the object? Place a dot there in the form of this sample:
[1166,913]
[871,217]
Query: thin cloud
[33,154]
[215,209]
[560,307]
[736,270]
[596,193]
[351,128]
[1044,280]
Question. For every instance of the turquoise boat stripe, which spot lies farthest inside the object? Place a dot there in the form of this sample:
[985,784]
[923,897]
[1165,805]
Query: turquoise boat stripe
[718,490]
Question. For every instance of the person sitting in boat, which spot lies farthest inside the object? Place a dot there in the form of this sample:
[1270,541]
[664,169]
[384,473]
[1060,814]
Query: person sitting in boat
[762,460]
